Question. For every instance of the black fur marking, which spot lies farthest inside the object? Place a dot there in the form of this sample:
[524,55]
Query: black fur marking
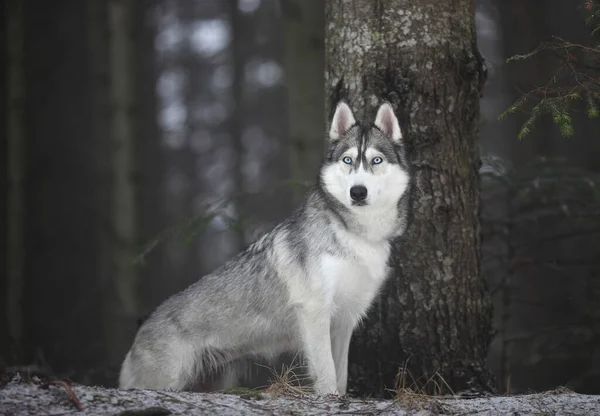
[362,145]
[331,203]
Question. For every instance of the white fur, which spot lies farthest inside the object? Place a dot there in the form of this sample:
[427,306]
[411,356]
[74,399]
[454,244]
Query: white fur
[384,187]
[333,301]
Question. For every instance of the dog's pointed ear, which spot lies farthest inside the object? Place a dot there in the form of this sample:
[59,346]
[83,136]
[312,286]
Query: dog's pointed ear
[387,122]
[343,119]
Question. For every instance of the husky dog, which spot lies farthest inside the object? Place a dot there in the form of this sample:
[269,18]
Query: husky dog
[304,286]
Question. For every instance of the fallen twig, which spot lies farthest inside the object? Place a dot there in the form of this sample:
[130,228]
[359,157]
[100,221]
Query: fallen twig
[70,392]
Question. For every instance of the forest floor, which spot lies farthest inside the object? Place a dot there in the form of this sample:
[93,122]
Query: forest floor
[33,397]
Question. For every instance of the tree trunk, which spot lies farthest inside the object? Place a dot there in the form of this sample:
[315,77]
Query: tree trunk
[61,262]
[123,214]
[150,159]
[16,169]
[304,30]
[239,52]
[434,314]
[4,87]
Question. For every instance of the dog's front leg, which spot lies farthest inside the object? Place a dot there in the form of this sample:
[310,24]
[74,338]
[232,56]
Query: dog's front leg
[315,324]
[341,333]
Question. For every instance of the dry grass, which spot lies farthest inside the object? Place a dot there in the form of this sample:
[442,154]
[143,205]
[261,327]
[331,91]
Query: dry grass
[287,381]
[416,393]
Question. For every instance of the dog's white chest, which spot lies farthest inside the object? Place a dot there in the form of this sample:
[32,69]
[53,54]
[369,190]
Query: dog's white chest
[354,278]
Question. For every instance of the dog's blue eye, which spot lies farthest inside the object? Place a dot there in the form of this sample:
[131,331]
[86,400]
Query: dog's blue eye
[347,160]
[377,160]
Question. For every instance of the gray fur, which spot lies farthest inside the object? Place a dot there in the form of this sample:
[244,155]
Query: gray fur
[244,309]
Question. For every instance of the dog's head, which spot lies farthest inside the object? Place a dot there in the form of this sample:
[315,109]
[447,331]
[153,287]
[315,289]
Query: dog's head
[365,164]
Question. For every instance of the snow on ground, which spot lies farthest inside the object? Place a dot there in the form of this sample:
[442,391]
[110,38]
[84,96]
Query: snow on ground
[18,397]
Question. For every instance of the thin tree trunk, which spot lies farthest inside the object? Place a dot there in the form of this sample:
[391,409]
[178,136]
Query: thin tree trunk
[434,314]
[4,333]
[123,220]
[150,159]
[304,28]
[16,176]
[97,39]
[61,254]
[239,54]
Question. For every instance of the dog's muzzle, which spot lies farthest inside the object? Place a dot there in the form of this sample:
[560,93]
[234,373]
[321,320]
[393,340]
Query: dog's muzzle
[358,194]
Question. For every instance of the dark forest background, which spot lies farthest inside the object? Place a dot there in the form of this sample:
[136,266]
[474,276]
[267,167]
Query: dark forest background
[146,142]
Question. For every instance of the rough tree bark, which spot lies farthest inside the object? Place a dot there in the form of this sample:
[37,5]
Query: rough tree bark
[434,313]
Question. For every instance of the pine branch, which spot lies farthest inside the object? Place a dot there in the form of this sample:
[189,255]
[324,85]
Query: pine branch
[575,84]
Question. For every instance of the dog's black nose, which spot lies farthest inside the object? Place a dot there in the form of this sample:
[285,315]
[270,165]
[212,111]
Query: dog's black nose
[358,193]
